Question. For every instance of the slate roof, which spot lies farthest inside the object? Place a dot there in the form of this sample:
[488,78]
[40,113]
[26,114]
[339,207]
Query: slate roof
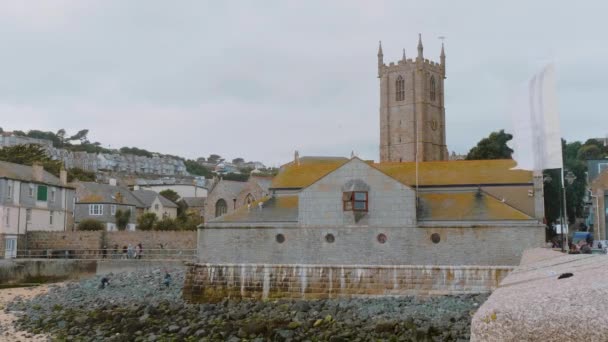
[194,202]
[274,209]
[147,197]
[263,182]
[231,188]
[26,173]
[466,206]
[437,173]
[306,172]
[90,192]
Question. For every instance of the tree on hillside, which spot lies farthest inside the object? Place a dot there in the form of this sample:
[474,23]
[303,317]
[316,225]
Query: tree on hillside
[81,175]
[197,169]
[169,194]
[237,161]
[28,155]
[135,151]
[239,177]
[214,158]
[492,147]
[81,135]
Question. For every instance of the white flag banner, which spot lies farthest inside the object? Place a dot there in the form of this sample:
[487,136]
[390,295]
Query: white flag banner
[537,143]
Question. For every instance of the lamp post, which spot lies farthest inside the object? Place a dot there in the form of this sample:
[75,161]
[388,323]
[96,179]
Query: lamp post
[570,177]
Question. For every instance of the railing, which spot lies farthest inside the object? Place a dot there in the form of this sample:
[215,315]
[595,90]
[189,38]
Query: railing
[108,254]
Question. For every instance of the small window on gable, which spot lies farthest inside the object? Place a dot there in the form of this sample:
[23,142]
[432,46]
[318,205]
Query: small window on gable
[400,89]
[355,200]
[432,88]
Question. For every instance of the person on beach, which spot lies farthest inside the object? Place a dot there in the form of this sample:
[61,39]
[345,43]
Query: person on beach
[105,281]
[104,252]
[124,252]
[115,252]
[167,280]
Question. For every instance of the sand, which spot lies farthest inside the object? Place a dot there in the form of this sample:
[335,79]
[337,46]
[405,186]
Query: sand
[7,327]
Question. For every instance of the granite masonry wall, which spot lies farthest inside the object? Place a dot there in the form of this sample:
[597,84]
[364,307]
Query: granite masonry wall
[489,245]
[212,283]
[93,240]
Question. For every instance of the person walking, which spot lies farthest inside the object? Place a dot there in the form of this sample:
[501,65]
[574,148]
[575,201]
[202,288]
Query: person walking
[130,252]
[140,250]
[125,252]
[104,252]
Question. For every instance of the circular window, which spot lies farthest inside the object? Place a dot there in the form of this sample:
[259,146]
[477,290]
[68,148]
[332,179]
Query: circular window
[280,238]
[435,238]
[381,238]
[330,238]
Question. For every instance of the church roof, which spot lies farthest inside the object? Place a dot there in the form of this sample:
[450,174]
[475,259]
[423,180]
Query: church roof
[466,206]
[435,173]
[274,209]
[307,171]
[457,172]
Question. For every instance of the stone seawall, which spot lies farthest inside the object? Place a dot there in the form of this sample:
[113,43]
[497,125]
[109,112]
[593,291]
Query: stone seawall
[212,283]
[93,240]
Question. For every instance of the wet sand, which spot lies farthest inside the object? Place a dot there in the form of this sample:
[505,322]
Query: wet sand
[7,327]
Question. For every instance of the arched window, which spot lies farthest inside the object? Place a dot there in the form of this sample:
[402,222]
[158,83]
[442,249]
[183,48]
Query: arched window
[432,88]
[249,199]
[400,89]
[220,207]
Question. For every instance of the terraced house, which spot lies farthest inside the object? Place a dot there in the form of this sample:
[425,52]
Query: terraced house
[32,199]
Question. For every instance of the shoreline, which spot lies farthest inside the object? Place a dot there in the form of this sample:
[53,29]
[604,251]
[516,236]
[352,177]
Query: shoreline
[8,330]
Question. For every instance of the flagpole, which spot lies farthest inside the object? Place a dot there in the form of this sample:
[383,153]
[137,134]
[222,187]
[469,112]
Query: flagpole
[564,208]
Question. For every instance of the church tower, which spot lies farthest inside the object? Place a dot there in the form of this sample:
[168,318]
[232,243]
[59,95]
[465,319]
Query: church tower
[412,112]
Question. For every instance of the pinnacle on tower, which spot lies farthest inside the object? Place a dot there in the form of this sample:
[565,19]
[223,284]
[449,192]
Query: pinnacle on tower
[380,49]
[380,59]
[442,52]
[420,46]
[442,58]
[403,58]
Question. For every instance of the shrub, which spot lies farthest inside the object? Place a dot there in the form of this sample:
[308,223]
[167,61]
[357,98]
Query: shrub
[122,219]
[166,223]
[147,221]
[91,225]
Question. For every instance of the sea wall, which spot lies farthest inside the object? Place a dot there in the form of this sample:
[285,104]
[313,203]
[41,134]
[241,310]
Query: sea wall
[431,244]
[212,283]
[96,240]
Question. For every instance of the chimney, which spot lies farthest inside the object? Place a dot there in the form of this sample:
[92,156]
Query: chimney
[37,172]
[296,158]
[63,177]
[112,181]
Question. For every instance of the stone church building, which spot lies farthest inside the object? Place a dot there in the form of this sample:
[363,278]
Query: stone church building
[413,222]
[412,110]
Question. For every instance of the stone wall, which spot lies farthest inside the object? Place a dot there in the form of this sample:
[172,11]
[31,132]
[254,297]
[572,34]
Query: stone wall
[471,245]
[212,283]
[93,240]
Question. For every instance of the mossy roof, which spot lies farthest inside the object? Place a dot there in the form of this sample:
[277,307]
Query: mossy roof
[466,206]
[274,209]
[438,173]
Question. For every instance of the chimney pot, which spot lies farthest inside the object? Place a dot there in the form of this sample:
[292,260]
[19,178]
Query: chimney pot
[63,177]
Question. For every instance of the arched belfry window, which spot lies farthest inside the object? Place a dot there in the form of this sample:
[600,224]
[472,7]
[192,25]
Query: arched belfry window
[400,89]
[220,207]
[433,91]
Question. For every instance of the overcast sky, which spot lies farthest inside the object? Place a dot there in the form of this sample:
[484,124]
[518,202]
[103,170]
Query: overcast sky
[260,79]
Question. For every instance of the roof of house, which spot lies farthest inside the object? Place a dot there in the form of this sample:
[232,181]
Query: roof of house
[274,209]
[90,192]
[193,202]
[466,206]
[436,173]
[26,173]
[147,197]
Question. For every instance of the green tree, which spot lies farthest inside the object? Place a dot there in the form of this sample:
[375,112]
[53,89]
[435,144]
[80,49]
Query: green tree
[28,155]
[81,175]
[169,194]
[147,221]
[136,151]
[587,152]
[197,169]
[492,147]
[81,135]
[166,223]
[122,218]
[237,161]
[91,225]
[214,158]
[239,177]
